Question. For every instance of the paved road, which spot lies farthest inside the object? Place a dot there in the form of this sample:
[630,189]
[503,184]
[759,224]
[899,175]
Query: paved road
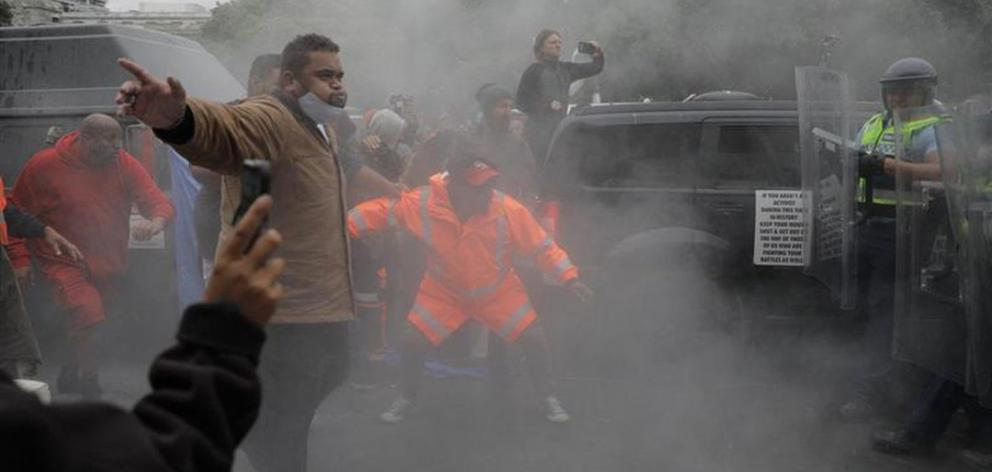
[724,408]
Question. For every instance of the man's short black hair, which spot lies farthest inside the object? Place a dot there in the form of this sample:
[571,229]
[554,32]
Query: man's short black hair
[295,54]
[262,64]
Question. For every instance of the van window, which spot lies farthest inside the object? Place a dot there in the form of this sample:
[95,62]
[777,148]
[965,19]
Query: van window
[17,144]
[630,155]
[753,155]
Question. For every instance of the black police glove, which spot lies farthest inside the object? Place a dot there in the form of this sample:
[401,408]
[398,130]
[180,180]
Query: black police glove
[870,164]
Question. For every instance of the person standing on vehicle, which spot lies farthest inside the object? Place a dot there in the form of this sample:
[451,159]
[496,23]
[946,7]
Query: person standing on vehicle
[471,231]
[85,187]
[543,89]
[907,83]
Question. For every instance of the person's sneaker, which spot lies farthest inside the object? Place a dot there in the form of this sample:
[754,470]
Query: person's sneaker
[555,412]
[68,380]
[900,442]
[397,411]
[89,386]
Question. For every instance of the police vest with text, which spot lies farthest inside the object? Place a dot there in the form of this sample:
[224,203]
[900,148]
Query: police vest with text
[879,138]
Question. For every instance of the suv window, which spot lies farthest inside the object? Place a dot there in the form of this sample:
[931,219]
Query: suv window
[647,155]
[751,155]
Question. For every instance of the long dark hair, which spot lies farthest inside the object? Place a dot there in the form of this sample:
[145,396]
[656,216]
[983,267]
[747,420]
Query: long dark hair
[541,38]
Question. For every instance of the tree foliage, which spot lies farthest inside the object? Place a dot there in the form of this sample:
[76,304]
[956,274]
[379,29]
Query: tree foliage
[6,14]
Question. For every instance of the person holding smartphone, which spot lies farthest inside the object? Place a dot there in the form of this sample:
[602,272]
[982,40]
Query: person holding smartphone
[543,89]
[205,390]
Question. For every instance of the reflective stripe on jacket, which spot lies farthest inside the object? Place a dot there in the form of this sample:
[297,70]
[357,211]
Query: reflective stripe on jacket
[472,256]
[470,264]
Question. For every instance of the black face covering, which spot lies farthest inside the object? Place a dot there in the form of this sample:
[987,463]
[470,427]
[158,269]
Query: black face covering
[469,201]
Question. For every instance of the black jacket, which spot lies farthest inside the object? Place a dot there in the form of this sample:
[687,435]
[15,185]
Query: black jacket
[546,82]
[205,397]
[21,224]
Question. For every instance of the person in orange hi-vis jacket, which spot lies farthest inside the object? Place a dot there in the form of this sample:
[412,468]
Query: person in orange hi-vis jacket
[471,232]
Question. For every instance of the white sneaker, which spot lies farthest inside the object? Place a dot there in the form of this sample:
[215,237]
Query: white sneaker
[556,412]
[396,411]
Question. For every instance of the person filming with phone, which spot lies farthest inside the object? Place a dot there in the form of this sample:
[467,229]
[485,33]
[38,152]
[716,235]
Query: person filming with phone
[543,89]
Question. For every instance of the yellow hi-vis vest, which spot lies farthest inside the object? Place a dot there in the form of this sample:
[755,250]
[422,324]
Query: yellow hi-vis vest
[879,137]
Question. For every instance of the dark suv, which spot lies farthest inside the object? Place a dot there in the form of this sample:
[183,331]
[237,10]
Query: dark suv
[657,206]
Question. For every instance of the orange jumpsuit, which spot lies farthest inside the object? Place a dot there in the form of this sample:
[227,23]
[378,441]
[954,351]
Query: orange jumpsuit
[469,268]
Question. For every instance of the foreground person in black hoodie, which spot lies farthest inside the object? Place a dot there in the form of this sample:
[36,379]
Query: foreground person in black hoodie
[205,391]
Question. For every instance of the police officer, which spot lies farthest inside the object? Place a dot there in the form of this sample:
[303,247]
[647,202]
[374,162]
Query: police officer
[947,338]
[907,83]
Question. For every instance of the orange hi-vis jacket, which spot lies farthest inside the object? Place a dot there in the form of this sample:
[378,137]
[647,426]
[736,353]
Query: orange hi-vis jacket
[469,266]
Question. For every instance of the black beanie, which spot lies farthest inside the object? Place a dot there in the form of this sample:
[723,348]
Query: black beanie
[491,94]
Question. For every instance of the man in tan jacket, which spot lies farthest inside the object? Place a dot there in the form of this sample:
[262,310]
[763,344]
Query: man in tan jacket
[306,356]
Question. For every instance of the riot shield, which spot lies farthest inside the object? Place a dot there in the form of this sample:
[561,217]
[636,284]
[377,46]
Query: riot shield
[966,168]
[829,175]
[929,323]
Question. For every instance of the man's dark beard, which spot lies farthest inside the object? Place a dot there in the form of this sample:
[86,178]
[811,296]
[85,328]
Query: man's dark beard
[469,204]
[501,126]
[338,100]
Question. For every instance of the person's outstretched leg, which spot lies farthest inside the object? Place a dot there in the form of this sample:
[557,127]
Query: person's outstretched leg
[536,349]
[413,352]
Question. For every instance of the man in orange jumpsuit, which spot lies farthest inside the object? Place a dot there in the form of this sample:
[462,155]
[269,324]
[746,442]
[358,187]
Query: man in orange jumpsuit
[84,187]
[471,232]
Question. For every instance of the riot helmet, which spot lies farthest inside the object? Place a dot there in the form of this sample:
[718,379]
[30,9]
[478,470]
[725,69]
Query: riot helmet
[909,82]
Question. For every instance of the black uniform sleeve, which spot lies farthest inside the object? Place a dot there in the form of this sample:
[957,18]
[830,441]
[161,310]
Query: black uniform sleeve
[21,224]
[579,71]
[205,397]
[182,133]
[528,90]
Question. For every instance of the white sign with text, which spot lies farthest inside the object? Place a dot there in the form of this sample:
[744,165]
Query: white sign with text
[779,228]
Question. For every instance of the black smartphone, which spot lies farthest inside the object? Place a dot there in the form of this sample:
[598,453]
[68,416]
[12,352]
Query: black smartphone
[586,47]
[255,175]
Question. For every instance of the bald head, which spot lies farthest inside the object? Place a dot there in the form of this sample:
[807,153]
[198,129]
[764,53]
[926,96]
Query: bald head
[100,139]
[98,123]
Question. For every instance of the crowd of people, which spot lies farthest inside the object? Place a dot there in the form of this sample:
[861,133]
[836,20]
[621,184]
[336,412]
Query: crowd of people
[374,219]
[454,207]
